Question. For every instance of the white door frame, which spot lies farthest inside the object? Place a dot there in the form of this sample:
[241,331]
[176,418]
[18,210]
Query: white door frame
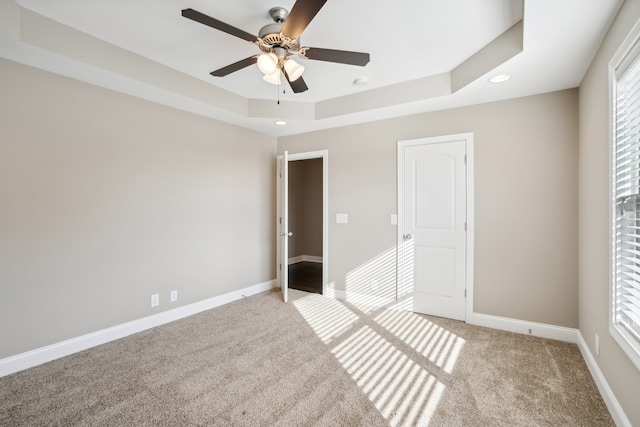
[324,155]
[468,138]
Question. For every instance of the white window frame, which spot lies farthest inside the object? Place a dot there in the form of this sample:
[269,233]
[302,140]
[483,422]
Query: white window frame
[627,55]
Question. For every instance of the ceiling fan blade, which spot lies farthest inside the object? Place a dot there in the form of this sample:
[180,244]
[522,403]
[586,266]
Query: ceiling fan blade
[341,56]
[218,25]
[301,14]
[234,67]
[298,85]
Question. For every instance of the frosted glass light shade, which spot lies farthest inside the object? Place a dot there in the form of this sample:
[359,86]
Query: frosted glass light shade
[293,69]
[273,78]
[268,63]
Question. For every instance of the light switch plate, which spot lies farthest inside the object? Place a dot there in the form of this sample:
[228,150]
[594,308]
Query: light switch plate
[342,218]
[394,219]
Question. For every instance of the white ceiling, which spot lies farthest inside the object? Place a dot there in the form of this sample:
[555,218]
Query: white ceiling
[425,54]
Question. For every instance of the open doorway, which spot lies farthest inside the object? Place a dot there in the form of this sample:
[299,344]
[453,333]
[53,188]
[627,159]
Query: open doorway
[305,222]
[305,246]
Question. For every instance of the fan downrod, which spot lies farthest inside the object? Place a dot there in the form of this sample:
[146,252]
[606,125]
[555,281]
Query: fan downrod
[278,14]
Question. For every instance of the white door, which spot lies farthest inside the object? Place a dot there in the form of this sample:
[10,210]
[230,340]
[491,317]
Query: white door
[432,227]
[283,224]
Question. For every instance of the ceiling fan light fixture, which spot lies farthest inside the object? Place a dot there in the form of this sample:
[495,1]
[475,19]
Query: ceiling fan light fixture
[293,69]
[273,78]
[268,63]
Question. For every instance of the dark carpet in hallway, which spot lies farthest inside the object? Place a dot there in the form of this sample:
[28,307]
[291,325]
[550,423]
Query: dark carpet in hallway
[306,276]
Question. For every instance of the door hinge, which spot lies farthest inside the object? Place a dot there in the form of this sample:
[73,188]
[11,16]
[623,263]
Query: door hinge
[465,226]
[280,268]
[465,159]
[280,220]
[465,293]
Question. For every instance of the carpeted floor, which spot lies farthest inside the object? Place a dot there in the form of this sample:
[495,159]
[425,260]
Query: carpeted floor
[313,361]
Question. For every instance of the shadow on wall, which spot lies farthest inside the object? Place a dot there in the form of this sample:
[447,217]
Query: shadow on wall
[403,391]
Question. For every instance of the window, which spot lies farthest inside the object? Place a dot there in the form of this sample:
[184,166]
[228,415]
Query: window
[625,171]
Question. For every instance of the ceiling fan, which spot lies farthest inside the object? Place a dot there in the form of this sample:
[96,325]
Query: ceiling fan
[279,42]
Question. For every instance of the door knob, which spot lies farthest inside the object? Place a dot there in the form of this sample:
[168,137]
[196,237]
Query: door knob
[408,236]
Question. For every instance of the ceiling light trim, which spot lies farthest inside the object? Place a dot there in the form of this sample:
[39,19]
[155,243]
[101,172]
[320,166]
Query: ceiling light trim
[500,78]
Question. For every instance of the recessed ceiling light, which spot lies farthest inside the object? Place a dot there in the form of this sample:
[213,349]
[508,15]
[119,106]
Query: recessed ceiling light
[280,122]
[500,78]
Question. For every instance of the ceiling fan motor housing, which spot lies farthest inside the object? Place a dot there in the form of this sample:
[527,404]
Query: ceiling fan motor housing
[270,33]
[272,37]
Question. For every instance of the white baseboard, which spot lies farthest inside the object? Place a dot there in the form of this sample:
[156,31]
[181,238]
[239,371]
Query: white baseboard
[535,329]
[305,258]
[494,322]
[51,352]
[618,415]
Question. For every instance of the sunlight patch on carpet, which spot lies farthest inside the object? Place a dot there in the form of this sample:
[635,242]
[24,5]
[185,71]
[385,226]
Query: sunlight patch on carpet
[403,391]
[396,382]
[437,344]
[327,317]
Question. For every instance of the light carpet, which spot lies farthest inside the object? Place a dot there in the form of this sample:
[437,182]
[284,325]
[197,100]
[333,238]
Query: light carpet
[312,361]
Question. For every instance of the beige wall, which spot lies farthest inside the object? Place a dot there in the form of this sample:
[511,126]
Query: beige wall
[623,377]
[106,199]
[526,199]
[305,207]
